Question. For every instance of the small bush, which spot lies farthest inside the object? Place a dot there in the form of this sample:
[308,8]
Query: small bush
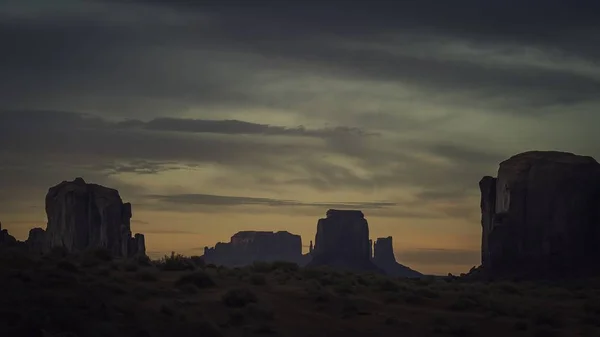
[261,267]
[260,312]
[143,261]
[285,266]
[146,276]
[67,266]
[258,279]
[198,261]
[521,326]
[176,262]
[239,297]
[100,254]
[200,279]
[130,267]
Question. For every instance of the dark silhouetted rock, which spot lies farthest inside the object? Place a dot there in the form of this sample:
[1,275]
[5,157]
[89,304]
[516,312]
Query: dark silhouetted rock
[82,216]
[36,241]
[5,238]
[342,241]
[251,246]
[384,258]
[541,215]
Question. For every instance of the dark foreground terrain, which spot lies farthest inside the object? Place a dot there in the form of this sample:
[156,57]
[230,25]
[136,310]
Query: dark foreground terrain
[95,295]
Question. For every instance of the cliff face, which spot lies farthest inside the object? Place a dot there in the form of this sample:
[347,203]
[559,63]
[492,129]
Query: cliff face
[384,258]
[342,240]
[249,246]
[82,216]
[542,214]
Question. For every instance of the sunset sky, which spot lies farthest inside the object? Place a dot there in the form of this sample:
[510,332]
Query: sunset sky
[214,117]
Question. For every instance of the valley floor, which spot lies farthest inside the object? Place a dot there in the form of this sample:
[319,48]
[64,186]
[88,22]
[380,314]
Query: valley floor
[93,295]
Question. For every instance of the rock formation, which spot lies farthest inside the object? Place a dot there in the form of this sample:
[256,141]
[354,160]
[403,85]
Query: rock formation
[36,241]
[541,215]
[342,241]
[384,258]
[82,216]
[250,246]
[5,238]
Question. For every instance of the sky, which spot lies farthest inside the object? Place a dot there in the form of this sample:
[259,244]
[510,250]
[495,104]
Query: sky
[212,117]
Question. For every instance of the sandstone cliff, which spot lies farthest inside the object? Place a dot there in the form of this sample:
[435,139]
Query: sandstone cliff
[82,216]
[342,241]
[541,215]
[247,247]
[384,258]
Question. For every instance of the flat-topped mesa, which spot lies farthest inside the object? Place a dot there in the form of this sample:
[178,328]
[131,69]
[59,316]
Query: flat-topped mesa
[342,240]
[247,247]
[83,216]
[384,258]
[542,214]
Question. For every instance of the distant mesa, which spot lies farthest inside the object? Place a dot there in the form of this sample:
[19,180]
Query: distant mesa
[541,216]
[247,247]
[342,241]
[384,258]
[82,216]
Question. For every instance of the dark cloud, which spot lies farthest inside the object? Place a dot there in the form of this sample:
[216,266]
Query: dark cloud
[219,200]
[230,54]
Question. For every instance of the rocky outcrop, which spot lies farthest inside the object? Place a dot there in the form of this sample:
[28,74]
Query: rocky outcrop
[384,258]
[5,238]
[36,241]
[342,241]
[541,215]
[82,216]
[250,246]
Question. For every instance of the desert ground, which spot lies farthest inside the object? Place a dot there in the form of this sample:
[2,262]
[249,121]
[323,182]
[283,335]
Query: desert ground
[93,295]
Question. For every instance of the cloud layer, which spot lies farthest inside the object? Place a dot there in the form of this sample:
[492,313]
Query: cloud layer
[194,107]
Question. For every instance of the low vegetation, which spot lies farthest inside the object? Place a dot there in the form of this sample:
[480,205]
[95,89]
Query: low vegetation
[95,295]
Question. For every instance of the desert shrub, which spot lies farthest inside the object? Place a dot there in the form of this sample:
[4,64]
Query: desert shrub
[130,267]
[98,254]
[67,266]
[15,259]
[260,312]
[312,273]
[521,326]
[427,293]
[258,279]
[236,317]
[387,285]
[592,306]
[143,260]
[464,302]
[285,266]
[198,261]
[345,287]
[176,262]
[58,253]
[197,328]
[199,279]
[146,276]
[239,297]
[548,318]
[507,288]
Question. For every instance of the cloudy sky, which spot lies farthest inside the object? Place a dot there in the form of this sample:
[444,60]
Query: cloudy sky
[218,116]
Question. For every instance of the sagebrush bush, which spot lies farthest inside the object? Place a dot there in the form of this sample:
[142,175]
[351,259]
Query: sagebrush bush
[199,279]
[175,262]
[239,297]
